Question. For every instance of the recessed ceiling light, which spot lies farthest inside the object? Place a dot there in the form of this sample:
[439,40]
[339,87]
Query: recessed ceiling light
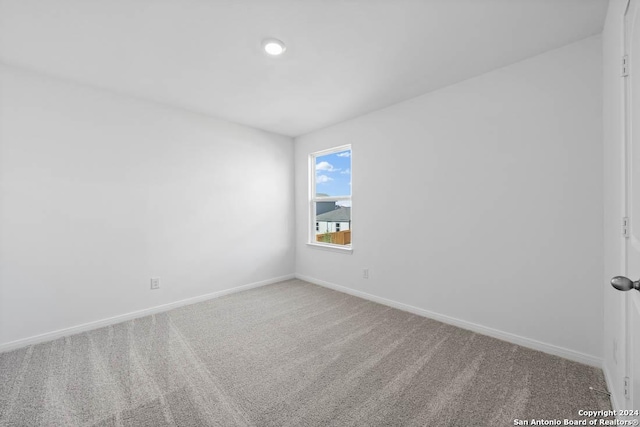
[273,47]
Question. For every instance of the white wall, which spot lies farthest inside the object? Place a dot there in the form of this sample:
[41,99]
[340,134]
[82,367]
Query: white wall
[330,227]
[100,192]
[498,181]
[614,333]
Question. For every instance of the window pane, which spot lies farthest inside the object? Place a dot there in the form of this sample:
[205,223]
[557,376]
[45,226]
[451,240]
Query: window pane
[333,174]
[333,222]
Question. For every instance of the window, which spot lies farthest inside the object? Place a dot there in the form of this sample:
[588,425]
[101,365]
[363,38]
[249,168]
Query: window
[330,198]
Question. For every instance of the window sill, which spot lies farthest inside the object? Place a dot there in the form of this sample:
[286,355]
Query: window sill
[332,248]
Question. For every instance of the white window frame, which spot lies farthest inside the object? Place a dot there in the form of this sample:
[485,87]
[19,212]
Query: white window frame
[313,199]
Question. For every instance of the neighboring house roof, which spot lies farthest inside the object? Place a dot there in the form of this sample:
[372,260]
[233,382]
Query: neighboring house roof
[342,214]
[321,195]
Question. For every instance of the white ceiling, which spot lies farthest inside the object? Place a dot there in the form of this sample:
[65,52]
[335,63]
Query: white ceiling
[344,57]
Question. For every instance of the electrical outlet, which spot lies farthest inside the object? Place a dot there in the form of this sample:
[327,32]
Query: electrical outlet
[627,382]
[365,273]
[155,283]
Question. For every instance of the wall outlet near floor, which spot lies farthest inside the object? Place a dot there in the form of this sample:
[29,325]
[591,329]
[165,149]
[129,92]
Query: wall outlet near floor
[365,273]
[155,283]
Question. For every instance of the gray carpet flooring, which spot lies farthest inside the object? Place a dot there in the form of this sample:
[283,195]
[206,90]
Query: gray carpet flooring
[288,354]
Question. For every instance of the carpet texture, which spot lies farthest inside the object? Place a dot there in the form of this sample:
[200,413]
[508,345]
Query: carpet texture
[288,354]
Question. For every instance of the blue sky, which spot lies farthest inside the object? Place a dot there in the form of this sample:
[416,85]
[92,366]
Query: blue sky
[333,174]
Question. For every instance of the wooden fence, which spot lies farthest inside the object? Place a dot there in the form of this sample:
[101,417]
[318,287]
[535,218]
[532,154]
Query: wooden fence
[337,238]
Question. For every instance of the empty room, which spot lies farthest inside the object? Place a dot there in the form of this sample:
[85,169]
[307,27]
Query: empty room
[319,213]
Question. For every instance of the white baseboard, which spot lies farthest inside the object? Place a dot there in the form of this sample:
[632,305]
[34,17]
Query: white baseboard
[566,353]
[12,345]
[505,336]
[615,401]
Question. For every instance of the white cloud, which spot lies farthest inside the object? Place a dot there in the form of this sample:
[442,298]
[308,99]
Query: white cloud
[326,166]
[346,172]
[322,179]
[344,154]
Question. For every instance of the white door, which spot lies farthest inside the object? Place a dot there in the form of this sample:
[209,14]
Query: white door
[632,154]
